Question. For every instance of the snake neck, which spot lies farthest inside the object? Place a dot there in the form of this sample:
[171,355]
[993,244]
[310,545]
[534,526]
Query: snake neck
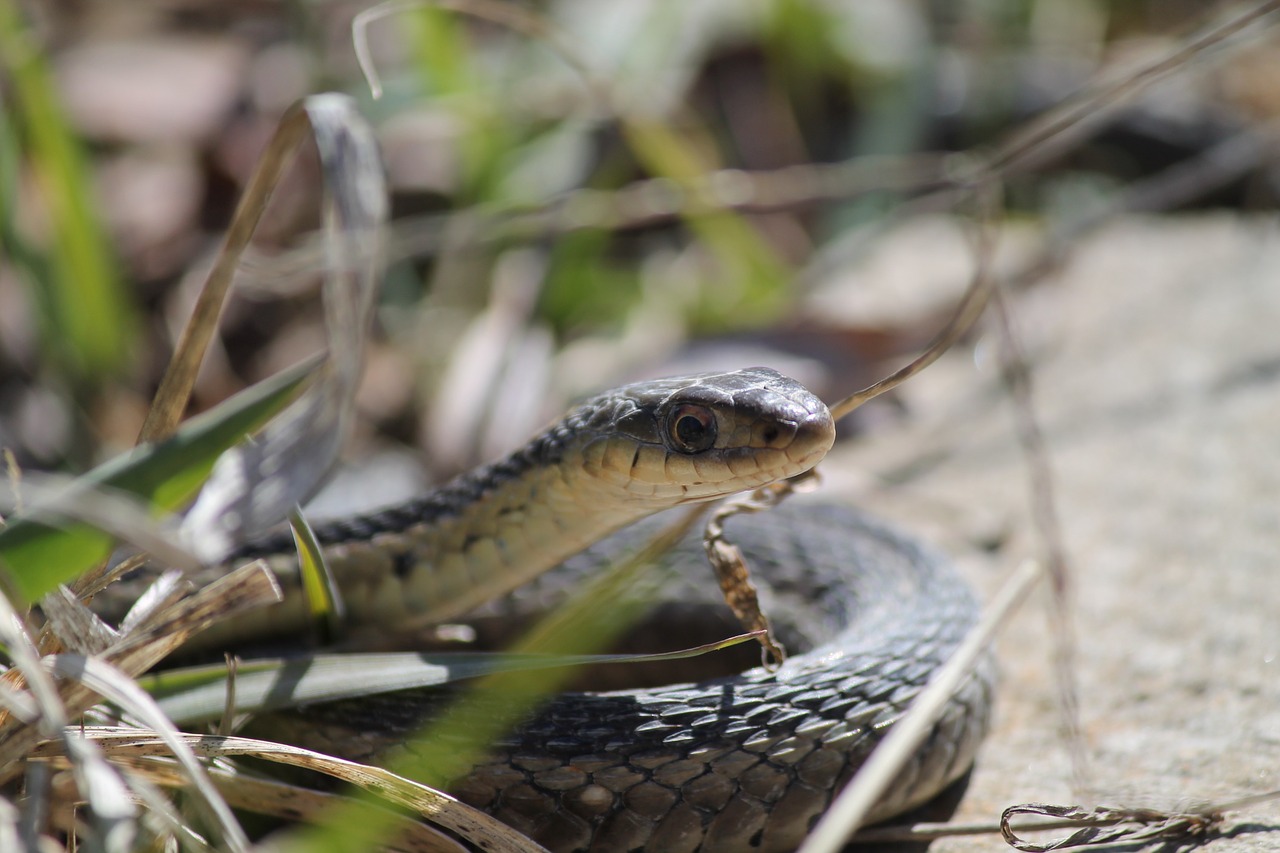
[617,458]
[482,535]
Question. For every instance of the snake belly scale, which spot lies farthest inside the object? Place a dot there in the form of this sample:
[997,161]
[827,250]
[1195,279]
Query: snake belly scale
[744,762]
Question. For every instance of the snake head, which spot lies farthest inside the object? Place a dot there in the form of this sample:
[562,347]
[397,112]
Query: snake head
[695,438]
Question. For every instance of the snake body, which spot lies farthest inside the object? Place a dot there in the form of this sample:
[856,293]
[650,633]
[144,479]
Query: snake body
[741,762]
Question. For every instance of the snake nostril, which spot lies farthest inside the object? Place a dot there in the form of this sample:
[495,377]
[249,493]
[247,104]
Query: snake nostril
[770,434]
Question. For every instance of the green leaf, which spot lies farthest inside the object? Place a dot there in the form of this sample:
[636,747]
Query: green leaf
[37,556]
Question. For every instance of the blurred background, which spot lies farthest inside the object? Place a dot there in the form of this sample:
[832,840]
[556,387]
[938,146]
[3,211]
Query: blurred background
[548,240]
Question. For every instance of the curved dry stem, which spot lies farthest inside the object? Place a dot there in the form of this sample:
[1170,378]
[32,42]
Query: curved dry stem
[1034,139]
[508,15]
[180,376]
[971,306]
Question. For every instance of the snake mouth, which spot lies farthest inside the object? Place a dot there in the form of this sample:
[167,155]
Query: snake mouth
[812,436]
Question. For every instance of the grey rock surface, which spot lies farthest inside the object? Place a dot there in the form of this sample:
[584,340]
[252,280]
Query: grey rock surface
[1156,363]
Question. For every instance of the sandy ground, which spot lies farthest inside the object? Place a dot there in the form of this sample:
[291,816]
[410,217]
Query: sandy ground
[1156,358]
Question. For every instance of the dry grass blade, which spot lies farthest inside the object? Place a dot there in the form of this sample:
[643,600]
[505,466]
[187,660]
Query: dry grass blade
[163,592]
[163,631]
[509,15]
[440,808]
[117,687]
[161,815]
[101,576]
[76,627]
[180,376]
[18,703]
[289,801]
[1017,380]
[1047,135]
[255,485]
[280,799]
[730,564]
[972,304]
[251,586]
[112,810]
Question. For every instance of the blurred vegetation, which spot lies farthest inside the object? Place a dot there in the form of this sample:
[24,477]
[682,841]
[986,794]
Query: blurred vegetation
[128,134]
[84,310]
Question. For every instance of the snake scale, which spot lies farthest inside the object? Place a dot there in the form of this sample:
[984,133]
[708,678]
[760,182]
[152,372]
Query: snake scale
[741,762]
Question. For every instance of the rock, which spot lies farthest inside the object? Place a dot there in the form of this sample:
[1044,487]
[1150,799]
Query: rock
[1157,383]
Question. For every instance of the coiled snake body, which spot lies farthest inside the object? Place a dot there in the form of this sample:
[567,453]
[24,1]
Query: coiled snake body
[743,762]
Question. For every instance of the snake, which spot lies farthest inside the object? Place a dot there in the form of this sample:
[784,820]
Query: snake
[745,761]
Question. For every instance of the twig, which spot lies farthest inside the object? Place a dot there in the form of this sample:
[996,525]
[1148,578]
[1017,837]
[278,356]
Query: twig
[1017,379]
[1048,817]
[967,312]
[854,803]
[1106,825]
[1034,139]
[730,564]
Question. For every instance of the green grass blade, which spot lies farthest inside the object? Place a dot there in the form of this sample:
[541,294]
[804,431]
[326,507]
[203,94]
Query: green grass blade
[196,694]
[37,556]
[324,600]
[90,319]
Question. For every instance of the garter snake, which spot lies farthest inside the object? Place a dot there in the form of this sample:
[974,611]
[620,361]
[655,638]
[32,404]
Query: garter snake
[741,762]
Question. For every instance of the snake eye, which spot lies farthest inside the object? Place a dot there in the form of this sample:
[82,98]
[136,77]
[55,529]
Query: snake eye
[691,429]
